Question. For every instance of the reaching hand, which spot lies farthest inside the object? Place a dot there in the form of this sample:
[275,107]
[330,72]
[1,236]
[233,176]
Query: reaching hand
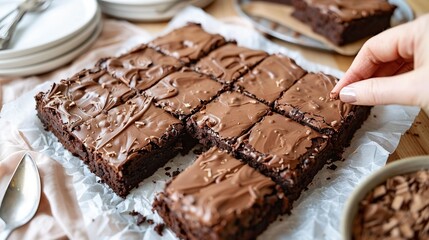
[391,68]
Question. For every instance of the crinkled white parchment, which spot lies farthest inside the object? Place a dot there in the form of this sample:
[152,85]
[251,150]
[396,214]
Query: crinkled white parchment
[316,214]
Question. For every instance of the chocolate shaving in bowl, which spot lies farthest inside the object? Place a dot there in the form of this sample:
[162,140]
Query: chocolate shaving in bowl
[396,209]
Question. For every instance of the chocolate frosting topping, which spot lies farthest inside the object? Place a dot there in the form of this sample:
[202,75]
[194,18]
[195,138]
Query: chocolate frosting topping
[231,114]
[282,140]
[183,92]
[347,10]
[217,186]
[271,77]
[188,43]
[142,67]
[310,95]
[124,130]
[229,62]
[86,95]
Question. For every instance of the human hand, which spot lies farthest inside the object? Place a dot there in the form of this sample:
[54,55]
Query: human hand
[391,68]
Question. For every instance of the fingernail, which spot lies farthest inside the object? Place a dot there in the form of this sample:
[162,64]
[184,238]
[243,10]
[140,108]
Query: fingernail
[348,95]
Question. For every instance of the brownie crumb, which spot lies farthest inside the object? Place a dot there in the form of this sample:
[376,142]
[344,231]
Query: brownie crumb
[150,221]
[159,228]
[134,213]
[375,116]
[198,151]
[167,168]
[175,173]
[153,181]
[332,167]
[168,174]
[100,181]
[328,178]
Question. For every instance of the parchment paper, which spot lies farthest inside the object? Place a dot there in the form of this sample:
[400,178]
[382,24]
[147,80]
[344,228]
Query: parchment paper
[317,213]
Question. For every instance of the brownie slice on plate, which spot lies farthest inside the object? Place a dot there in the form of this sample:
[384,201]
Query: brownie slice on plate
[219,197]
[183,93]
[129,142]
[270,78]
[188,43]
[229,62]
[308,102]
[225,119]
[286,151]
[344,21]
[141,68]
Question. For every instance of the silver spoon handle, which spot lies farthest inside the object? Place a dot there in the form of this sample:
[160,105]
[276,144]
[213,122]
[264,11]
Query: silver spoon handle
[8,26]
[5,233]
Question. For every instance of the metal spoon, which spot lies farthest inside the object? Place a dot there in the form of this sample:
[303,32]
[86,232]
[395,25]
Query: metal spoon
[9,22]
[22,196]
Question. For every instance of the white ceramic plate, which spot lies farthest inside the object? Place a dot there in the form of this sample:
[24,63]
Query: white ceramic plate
[40,31]
[54,63]
[53,52]
[141,13]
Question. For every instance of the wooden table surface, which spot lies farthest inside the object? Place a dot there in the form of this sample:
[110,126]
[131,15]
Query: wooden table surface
[415,142]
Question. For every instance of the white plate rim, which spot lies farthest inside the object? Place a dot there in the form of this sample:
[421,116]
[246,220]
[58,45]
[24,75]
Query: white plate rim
[54,63]
[8,53]
[53,52]
[152,15]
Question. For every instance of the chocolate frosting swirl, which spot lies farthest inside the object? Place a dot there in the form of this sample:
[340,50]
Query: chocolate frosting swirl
[141,68]
[122,132]
[271,77]
[85,95]
[231,114]
[216,187]
[188,43]
[183,92]
[310,95]
[283,141]
[229,62]
[348,10]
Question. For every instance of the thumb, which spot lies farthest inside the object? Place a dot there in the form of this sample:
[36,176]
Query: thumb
[398,89]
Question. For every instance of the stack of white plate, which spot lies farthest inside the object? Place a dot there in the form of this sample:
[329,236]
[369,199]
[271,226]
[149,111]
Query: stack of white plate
[147,10]
[47,40]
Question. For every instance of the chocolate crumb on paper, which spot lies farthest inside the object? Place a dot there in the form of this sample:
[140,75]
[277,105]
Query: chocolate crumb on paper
[159,228]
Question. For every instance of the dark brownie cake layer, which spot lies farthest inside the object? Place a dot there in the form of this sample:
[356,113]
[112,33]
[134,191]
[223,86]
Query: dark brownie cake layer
[219,197]
[344,21]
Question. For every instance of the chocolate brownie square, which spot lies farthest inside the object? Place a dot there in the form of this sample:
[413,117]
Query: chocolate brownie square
[270,78]
[88,93]
[129,142]
[229,62]
[288,152]
[225,119]
[308,102]
[183,93]
[344,21]
[141,68]
[220,197]
[188,43]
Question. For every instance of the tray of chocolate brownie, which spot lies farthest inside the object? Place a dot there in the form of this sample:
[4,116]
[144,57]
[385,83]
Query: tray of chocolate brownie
[342,26]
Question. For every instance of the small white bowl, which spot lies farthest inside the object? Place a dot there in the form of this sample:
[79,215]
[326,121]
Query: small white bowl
[400,167]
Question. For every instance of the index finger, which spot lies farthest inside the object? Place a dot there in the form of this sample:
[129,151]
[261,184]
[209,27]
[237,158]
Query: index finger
[390,45]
